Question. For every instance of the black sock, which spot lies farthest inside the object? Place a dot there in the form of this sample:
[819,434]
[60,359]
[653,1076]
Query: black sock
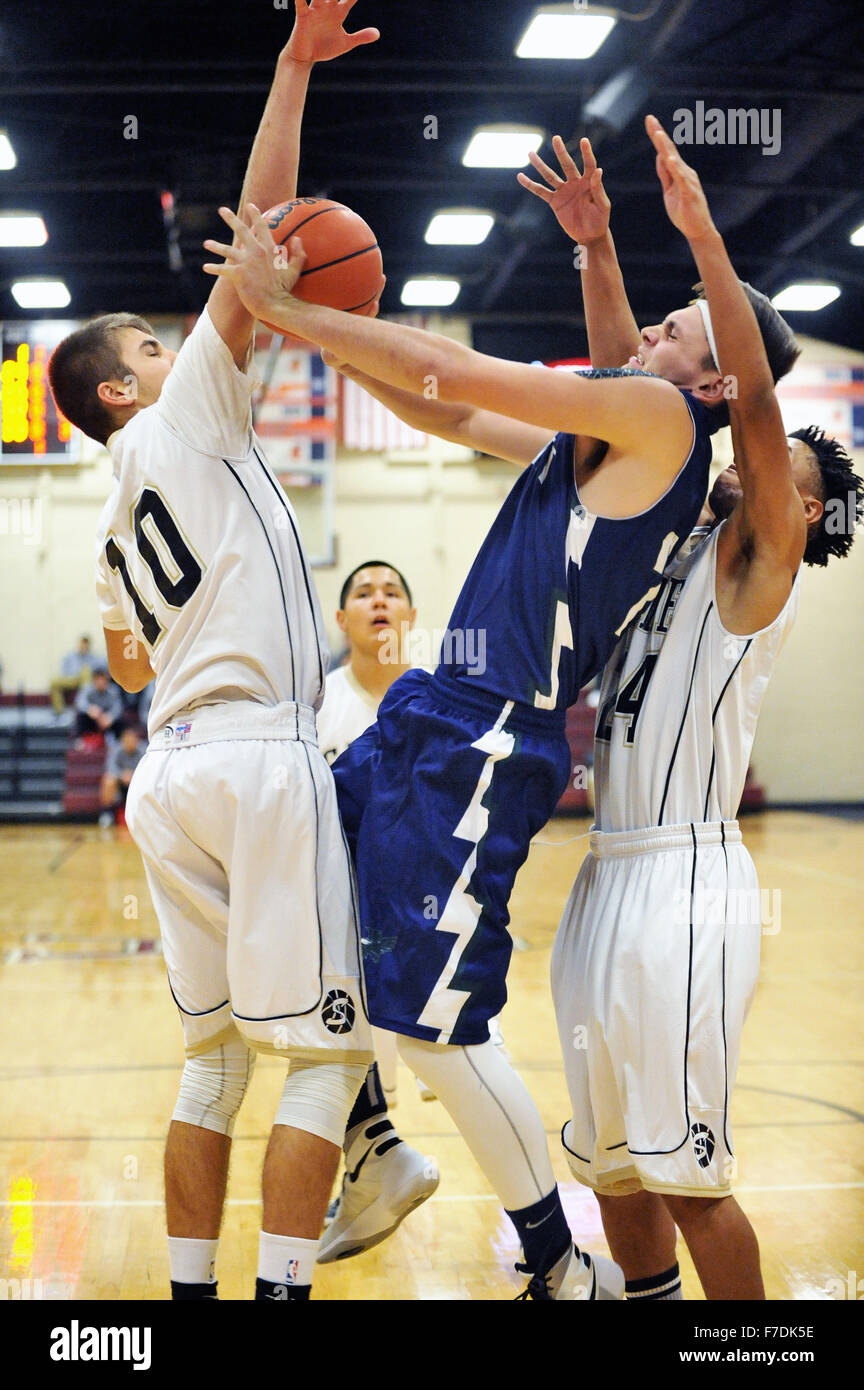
[192,1293]
[281,1293]
[656,1287]
[543,1231]
[370,1100]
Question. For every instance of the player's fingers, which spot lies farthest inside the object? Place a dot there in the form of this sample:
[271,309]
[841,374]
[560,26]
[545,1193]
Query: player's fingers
[231,253]
[298,254]
[553,179]
[659,138]
[258,226]
[238,226]
[589,163]
[565,159]
[218,269]
[663,173]
[364,36]
[536,188]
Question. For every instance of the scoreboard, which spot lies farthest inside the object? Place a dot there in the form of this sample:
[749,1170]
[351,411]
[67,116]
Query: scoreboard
[32,431]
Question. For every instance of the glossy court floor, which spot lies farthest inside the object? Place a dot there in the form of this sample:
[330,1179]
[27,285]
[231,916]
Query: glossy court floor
[90,1057]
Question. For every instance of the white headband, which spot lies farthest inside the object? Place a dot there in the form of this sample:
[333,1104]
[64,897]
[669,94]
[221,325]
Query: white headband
[702,306]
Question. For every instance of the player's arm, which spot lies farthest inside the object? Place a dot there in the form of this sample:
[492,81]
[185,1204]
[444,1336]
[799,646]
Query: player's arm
[644,416]
[580,203]
[455,421]
[764,541]
[271,175]
[128,659]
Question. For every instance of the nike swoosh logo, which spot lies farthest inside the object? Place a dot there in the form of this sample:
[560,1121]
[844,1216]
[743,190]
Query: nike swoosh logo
[352,1177]
[532,1225]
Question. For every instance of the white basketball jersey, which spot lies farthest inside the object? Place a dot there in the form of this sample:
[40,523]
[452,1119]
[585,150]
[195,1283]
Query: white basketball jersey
[679,703]
[347,711]
[199,552]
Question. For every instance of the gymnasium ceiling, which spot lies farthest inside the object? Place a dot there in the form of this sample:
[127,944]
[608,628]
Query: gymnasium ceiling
[195,74]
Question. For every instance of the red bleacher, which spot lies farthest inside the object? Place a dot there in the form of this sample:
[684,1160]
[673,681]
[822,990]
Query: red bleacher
[84,769]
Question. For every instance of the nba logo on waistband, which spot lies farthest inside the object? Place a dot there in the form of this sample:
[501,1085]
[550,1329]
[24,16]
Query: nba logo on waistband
[182,732]
[292,1271]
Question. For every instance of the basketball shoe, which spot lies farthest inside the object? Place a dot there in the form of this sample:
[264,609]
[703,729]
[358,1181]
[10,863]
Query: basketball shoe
[384,1180]
[588,1278]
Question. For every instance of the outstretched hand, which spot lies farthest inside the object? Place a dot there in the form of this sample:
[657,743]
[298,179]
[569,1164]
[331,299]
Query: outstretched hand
[683,195]
[319,32]
[579,201]
[256,267]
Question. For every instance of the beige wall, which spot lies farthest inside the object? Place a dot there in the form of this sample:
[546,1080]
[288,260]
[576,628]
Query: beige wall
[808,745]
[428,514]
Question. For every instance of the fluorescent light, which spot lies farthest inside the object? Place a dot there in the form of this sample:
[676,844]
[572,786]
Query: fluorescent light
[7,154]
[431,291]
[22,229]
[805,297]
[501,146]
[41,294]
[459,227]
[556,32]
[857,237]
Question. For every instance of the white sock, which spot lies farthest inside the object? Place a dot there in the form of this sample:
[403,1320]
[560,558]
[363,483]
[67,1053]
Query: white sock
[286,1259]
[192,1261]
[493,1112]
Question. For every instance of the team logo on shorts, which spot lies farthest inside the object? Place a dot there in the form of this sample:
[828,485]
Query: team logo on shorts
[703,1144]
[337,1012]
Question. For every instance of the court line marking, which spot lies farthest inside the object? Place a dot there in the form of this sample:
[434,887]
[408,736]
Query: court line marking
[807,871]
[812,1100]
[65,853]
[456,1197]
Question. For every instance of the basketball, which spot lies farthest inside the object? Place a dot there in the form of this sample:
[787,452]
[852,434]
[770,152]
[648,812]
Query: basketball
[343,267]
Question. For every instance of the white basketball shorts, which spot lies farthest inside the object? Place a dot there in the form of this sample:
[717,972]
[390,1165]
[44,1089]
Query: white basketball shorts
[234,811]
[653,971]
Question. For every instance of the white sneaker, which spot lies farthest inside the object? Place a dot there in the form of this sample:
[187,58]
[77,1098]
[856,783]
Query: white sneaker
[378,1192]
[425,1093]
[587,1278]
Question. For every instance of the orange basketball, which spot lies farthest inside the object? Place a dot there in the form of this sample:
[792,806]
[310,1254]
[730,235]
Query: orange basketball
[343,267]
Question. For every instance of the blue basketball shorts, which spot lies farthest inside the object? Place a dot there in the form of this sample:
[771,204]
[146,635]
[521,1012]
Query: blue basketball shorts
[440,799]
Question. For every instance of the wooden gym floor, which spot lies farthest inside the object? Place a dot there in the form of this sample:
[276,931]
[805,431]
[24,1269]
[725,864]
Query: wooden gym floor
[90,1057]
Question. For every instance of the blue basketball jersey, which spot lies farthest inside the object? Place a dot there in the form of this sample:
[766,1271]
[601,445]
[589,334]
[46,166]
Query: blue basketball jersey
[553,585]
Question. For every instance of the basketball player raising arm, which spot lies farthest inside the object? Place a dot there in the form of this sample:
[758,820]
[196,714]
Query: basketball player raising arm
[645,422]
[636,957]
[759,552]
[200,563]
[271,177]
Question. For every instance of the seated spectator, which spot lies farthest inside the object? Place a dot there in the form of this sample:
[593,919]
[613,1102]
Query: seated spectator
[123,758]
[99,706]
[76,669]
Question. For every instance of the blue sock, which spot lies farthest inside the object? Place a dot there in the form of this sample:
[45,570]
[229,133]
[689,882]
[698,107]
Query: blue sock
[267,1292]
[370,1101]
[543,1231]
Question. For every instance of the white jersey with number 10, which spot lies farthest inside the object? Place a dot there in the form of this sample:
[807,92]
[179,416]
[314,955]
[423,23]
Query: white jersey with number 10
[199,553]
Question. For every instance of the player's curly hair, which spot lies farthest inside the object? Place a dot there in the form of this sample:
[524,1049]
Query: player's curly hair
[841,494]
[78,364]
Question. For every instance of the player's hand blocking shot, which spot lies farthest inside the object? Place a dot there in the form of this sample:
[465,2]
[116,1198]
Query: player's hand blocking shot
[202,578]
[657,954]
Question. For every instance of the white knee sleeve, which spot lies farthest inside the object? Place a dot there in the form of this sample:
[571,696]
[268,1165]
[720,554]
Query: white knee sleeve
[318,1097]
[213,1085]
